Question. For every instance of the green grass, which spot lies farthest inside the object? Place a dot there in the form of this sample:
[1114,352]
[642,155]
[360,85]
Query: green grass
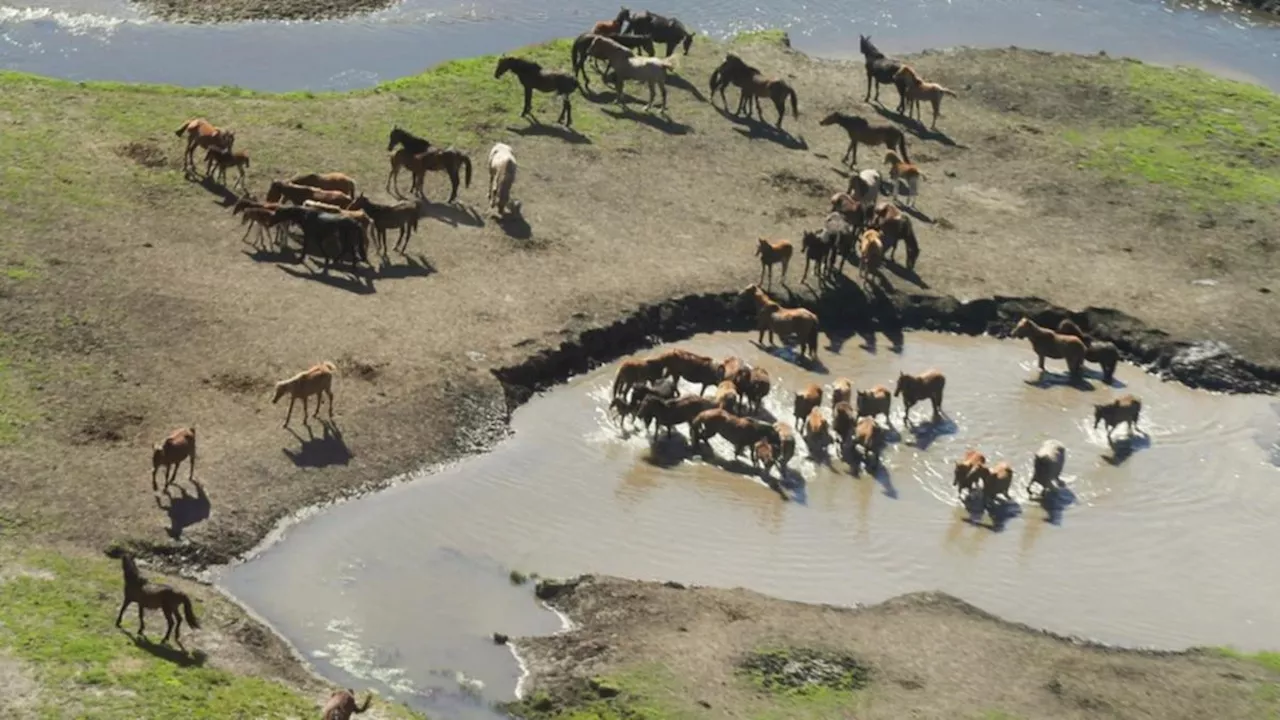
[58,615]
[17,408]
[1217,140]
[1269,660]
[771,37]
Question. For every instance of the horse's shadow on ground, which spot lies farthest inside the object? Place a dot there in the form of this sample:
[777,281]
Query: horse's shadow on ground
[917,128]
[317,452]
[658,122]
[540,129]
[1047,379]
[667,451]
[754,129]
[452,215]
[418,266]
[916,213]
[226,196]
[1001,512]
[352,283]
[908,275]
[924,434]
[791,355]
[793,482]
[184,510]
[178,656]
[676,81]
[1123,448]
[880,473]
[515,226]
[738,466]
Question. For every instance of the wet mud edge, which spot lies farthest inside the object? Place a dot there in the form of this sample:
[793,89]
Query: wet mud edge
[1205,364]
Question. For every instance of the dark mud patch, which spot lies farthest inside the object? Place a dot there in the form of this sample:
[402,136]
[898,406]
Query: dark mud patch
[801,670]
[108,427]
[148,155]
[359,369]
[217,11]
[1198,364]
[238,383]
[789,181]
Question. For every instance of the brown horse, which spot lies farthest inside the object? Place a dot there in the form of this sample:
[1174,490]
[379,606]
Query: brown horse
[895,227]
[202,134]
[861,131]
[174,603]
[773,253]
[900,169]
[636,372]
[316,380]
[753,85]
[928,385]
[342,705]
[223,159]
[1048,343]
[1124,409]
[996,482]
[727,397]
[806,401]
[841,391]
[669,413]
[786,444]
[179,446]
[870,255]
[448,160]
[742,433]
[1105,354]
[336,181]
[754,385]
[843,422]
[918,90]
[816,428]
[969,471]
[870,439]
[817,247]
[298,194]
[691,367]
[798,324]
[876,401]
[614,26]
[402,216]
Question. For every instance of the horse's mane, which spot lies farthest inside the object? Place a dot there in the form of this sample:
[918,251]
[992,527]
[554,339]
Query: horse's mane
[131,574]
[868,49]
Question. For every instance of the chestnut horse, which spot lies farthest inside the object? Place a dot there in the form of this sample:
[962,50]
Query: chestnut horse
[798,324]
[1048,343]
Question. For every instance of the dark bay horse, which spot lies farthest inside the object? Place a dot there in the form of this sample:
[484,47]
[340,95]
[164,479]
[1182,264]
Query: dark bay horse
[175,604]
[447,160]
[407,140]
[861,131]
[668,31]
[753,85]
[533,77]
[882,69]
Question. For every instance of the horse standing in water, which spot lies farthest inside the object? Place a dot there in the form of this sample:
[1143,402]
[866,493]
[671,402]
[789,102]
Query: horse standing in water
[533,77]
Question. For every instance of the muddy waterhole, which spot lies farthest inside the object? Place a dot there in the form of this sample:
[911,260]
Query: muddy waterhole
[1161,541]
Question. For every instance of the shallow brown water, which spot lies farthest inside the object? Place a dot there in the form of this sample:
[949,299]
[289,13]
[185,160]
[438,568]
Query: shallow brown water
[1167,547]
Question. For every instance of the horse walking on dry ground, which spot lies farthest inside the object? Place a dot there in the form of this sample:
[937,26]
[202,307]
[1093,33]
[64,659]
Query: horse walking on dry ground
[773,253]
[338,182]
[881,69]
[581,50]
[901,170]
[651,71]
[796,325]
[316,380]
[1048,343]
[928,385]
[918,90]
[408,141]
[223,159]
[532,77]
[298,194]
[753,85]
[342,705]
[402,216]
[666,30]
[202,134]
[502,175]
[448,160]
[174,603]
[179,446]
[862,131]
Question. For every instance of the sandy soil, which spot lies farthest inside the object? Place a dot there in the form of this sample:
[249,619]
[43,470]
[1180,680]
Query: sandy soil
[651,650]
[134,307]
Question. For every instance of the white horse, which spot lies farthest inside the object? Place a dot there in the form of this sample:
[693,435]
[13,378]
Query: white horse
[1049,461]
[865,187]
[502,175]
[628,66]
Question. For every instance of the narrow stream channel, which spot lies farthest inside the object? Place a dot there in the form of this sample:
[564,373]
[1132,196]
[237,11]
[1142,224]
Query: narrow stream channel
[1166,545]
[111,40]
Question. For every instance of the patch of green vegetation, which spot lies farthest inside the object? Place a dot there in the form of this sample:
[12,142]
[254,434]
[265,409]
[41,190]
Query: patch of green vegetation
[804,671]
[517,578]
[1269,660]
[769,37]
[1216,139]
[17,410]
[638,694]
[58,615]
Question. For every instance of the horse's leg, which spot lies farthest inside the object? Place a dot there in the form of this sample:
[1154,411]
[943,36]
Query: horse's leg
[330,394]
[177,625]
[142,621]
[305,406]
[124,606]
[663,87]
[528,102]
[292,398]
[453,178]
[168,624]
[652,93]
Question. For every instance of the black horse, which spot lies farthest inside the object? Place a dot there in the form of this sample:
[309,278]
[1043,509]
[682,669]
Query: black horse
[882,69]
[533,77]
[411,142]
[318,226]
[668,31]
[582,46]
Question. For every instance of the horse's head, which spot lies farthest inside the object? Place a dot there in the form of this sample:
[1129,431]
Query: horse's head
[281,388]
[504,63]
[624,15]
[393,137]
[831,119]
[1022,328]
[761,243]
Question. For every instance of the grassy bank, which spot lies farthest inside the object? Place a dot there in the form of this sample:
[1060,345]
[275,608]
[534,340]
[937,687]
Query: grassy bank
[131,306]
[61,656]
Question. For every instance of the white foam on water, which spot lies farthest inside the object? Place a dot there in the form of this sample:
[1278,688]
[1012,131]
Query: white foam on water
[73,23]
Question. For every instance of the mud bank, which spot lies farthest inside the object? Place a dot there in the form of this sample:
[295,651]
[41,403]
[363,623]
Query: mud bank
[225,11]
[1198,364]
[669,650]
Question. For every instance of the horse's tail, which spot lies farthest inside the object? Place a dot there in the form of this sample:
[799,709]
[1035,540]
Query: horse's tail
[947,91]
[715,79]
[466,163]
[183,129]
[794,109]
[188,611]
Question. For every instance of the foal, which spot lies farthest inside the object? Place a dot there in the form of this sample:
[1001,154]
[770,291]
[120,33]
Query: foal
[224,159]
[533,77]
[202,134]
[918,89]
[174,603]
[772,253]
[900,169]
[316,380]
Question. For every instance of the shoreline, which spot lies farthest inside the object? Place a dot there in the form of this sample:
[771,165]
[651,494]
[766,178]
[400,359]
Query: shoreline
[445,406]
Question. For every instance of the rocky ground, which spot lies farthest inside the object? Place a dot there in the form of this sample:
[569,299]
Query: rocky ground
[132,306]
[216,11]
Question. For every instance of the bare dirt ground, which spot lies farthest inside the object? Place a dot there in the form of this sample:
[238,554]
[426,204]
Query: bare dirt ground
[215,11]
[131,306]
[643,650]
